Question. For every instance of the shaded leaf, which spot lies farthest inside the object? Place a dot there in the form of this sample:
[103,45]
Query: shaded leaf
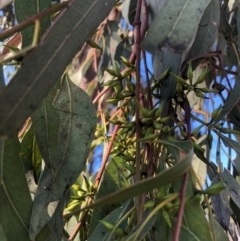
[36,77]
[229,142]
[221,208]
[2,235]
[235,211]
[30,154]
[160,180]
[46,121]
[194,229]
[77,122]
[70,226]
[162,229]
[190,189]
[231,101]
[110,183]
[101,232]
[233,187]
[15,201]
[218,232]
[57,222]
[207,31]
[144,230]
[25,9]
[234,116]
[171,22]
[128,9]
[162,60]
[154,7]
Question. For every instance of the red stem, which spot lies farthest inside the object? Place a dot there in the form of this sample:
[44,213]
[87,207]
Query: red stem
[181,208]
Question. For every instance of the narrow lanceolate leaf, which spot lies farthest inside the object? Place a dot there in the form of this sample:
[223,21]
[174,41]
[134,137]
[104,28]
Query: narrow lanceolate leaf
[229,142]
[110,182]
[160,180]
[231,101]
[232,187]
[57,222]
[164,59]
[2,235]
[128,9]
[113,217]
[46,126]
[218,232]
[177,22]
[15,199]
[194,229]
[44,66]
[75,130]
[207,30]
[238,23]
[25,9]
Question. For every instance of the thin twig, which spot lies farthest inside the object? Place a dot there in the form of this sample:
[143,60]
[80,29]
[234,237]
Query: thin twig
[181,208]
[137,37]
[105,157]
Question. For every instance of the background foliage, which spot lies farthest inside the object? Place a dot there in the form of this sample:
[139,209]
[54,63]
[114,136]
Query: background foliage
[147,148]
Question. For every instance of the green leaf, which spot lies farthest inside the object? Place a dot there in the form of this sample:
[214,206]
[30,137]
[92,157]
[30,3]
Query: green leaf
[175,146]
[94,45]
[221,206]
[218,232]
[75,131]
[113,217]
[233,187]
[231,101]
[163,60]
[207,31]
[70,226]
[44,66]
[30,153]
[2,82]
[160,180]
[154,7]
[128,9]
[214,188]
[57,222]
[25,9]
[229,142]
[110,183]
[177,22]
[190,189]
[46,127]
[194,229]
[144,230]
[15,201]
[2,235]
